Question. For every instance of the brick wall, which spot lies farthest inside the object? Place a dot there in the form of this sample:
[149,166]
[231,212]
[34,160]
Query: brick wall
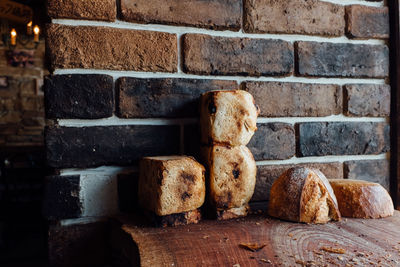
[21,103]
[126,79]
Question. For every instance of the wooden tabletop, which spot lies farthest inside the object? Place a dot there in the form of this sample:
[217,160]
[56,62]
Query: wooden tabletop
[356,242]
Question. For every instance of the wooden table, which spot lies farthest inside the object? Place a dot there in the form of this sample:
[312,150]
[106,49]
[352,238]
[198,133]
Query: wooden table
[374,242]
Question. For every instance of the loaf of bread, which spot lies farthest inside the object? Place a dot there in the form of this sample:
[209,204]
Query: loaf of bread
[362,199]
[303,195]
[171,184]
[231,175]
[227,117]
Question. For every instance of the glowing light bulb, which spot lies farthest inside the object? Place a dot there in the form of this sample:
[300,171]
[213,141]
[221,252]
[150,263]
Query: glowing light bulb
[36,31]
[13,37]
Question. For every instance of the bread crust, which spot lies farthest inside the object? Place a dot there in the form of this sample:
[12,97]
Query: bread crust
[227,117]
[362,199]
[171,184]
[231,175]
[303,195]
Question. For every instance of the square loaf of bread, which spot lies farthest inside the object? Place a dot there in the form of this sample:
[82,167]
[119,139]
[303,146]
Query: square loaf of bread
[232,175]
[227,117]
[171,184]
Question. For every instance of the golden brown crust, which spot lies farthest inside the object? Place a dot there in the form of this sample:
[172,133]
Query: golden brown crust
[231,175]
[175,219]
[232,213]
[227,117]
[303,195]
[171,184]
[362,199]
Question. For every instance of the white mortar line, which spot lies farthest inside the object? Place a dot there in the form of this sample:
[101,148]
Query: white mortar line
[179,51]
[115,121]
[356,2]
[332,118]
[147,75]
[182,30]
[83,220]
[103,170]
[113,170]
[323,159]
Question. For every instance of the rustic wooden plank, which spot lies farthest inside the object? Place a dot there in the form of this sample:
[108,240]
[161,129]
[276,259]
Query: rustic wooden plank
[395,98]
[216,243]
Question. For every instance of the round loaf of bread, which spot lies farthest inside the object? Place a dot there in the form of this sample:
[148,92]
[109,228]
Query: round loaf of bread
[362,199]
[303,195]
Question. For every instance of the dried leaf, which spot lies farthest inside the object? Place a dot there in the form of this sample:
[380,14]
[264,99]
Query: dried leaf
[265,260]
[334,250]
[252,247]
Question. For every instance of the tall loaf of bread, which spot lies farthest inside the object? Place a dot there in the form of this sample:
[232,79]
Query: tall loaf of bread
[303,195]
[228,121]
[227,117]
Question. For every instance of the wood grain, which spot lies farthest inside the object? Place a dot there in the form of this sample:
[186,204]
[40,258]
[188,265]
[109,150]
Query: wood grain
[212,243]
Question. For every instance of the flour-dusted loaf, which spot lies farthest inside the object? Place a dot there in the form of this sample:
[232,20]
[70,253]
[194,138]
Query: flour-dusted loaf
[231,175]
[362,199]
[171,184]
[303,195]
[227,117]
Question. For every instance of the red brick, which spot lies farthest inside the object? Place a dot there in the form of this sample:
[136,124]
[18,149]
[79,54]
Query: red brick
[204,54]
[343,138]
[367,100]
[267,174]
[311,17]
[82,9]
[342,60]
[280,99]
[212,14]
[377,171]
[111,48]
[365,22]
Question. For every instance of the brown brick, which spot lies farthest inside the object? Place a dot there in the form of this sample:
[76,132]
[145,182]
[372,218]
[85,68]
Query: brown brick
[79,245]
[212,14]
[61,197]
[377,171]
[343,138]
[192,140]
[280,99]
[78,9]
[111,48]
[342,60]
[10,117]
[146,98]
[294,17]
[273,141]
[365,22]
[105,145]
[127,192]
[204,54]
[32,103]
[367,100]
[79,96]
[267,174]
